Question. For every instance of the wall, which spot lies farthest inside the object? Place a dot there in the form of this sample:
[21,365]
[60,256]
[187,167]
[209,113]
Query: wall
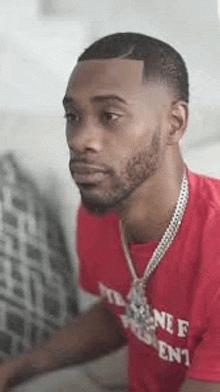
[40,47]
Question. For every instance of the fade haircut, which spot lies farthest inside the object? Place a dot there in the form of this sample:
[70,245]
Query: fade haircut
[161,61]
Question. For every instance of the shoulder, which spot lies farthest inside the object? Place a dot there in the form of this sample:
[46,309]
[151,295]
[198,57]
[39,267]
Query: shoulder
[205,222]
[208,186]
[205,192]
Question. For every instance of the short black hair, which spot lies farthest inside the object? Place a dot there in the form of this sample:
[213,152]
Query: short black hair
[161,61]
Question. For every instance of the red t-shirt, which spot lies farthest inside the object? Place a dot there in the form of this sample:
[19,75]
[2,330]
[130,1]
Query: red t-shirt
[184,290]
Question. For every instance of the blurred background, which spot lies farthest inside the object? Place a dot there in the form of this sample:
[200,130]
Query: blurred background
[40,42]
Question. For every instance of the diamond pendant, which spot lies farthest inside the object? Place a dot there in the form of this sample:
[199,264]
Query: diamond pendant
[139,312]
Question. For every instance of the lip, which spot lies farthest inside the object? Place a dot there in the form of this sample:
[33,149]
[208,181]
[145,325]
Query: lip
[87,174]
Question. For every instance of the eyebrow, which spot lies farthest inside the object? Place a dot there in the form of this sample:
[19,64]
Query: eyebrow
[98,98]
[112,97]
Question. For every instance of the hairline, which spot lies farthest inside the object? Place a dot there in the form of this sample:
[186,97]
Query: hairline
[150,78]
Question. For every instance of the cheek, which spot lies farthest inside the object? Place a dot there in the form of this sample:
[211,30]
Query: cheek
[126,142]
[126,150]
[142,129]
[140,133]
[137,130]
[121,153]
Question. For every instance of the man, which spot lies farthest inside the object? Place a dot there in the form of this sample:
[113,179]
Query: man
[148,228]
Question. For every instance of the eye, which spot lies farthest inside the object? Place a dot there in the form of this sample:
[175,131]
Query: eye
[72,117]
[111,116]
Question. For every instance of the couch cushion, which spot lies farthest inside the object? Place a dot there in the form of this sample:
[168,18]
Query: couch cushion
[37,292]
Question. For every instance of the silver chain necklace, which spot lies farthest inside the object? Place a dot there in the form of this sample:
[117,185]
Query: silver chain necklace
[138,311]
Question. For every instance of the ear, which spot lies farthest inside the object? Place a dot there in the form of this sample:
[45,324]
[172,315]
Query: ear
[178,122]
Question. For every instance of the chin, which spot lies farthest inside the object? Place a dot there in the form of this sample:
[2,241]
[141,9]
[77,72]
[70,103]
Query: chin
[101,204]
[97,208]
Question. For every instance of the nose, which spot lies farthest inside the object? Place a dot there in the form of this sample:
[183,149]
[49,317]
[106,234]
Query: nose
[86,137]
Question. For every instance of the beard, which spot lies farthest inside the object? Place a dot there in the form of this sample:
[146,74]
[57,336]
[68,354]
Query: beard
[134,172]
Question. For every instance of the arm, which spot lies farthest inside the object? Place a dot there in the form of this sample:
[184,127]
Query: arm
[88,336]
[200,386]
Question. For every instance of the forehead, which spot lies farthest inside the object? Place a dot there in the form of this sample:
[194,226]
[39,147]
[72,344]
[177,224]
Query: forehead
[107,73]
[119,76]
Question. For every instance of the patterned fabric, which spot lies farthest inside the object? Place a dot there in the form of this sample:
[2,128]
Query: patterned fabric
[36,277]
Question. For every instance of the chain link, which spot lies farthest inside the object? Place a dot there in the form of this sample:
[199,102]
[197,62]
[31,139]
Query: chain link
[167,238]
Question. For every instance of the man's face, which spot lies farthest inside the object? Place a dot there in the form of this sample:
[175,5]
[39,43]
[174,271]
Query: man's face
[115,130]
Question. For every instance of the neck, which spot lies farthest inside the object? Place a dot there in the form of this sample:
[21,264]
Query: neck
[147,213]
